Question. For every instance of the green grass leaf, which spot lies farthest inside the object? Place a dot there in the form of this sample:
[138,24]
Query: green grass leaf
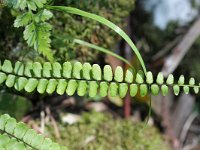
[105,22]
[101,49]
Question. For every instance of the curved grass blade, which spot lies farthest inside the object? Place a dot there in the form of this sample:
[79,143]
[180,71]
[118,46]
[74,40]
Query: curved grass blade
[101,49]
[105,22]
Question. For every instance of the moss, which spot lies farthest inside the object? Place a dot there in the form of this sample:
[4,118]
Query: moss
[71,26]
[98,131]
[67,26]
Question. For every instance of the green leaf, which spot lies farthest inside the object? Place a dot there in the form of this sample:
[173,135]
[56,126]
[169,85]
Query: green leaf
[30,34]
[37,141]
[42,41]
[77,68]
[86,71]
[160,78]
[105,22]
[37,69]
[4,139]
[3,119]
[82,88]
[107,73]
[113,90]
[20,83]
[23,19]
[7,66]
[62,85]
[170,79]
[55,146]
[10,3]
[149,77]
[155,89]
[140,77]
[57,69]
[31,85]
[2,77]
[133,90]
[119,74]
[93,87]
[18,136]
[10,80]
[21,4]
[19,68]
[123,88]
[192,81]
[40,3]
[14,144]
[20,130]
[67,70]
[43,15]
[71,87]
[31,4]
[42,85]
[103,89]
[47,68]
[10,125]
[181,80]
[143,90]
[129,75]
[164,89]
[46,144]
[28,69]
[38,36]
[196,89]
[186,89]
[176,89]
[96,72]
[29,136]
[51,87]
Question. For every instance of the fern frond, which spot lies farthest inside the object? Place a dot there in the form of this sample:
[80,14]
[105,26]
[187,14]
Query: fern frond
[23,19]
[9,3]
[37,31]
[18,136]
[30,4]
[23,4]
[88,79]
[38,36]
[43,15]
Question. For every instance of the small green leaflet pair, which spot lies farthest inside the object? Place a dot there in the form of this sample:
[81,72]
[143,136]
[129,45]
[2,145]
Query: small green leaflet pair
[86,79]
[18,136]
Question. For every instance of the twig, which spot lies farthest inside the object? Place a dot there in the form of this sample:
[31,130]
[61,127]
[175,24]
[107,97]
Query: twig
[55,126]
[173,60]
[42,124]
[167,48]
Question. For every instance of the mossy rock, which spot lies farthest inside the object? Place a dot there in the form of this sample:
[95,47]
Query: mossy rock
[98,131]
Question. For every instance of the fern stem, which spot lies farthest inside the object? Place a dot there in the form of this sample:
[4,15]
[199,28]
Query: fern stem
[10,135]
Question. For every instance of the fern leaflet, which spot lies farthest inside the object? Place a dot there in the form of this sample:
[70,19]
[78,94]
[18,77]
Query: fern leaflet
[18,136]
[88,80]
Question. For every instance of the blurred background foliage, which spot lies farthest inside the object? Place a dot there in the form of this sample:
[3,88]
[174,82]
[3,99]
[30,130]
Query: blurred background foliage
[67,27]
[150,39]
[14,105]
